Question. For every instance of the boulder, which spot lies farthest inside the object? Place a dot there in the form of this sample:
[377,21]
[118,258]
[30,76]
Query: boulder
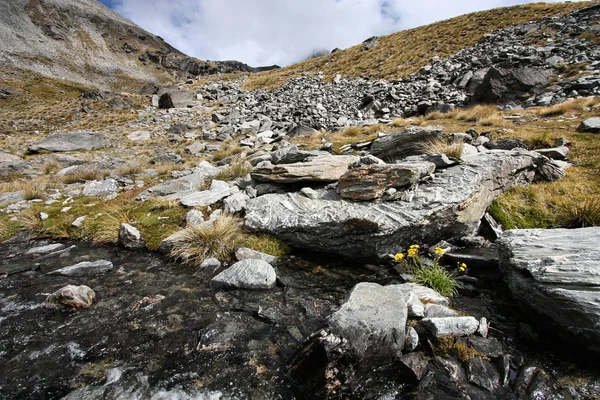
[218,191]
[555,275]
[105,188]
[176,99]
[235,203]
[556,153]
[450,205]
[504,85]
[451,326]
[244,253]
[321,169]
[139,136]
[247,274]
[370,182]
[8,157]
[591,125]
[71,297]
[130,237]
[41,250]
[178,188]
[406,143]
[85,268]
[70,141]
[301,130]
[194,217]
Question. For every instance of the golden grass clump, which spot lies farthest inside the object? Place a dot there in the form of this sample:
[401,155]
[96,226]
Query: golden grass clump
[105,227]
[30,221]
[31,188]
[268,244]
[571,106]
[237,169]
[580,214]
[194,244]
[451,149]
[131,168]
[84,175]
[448,346]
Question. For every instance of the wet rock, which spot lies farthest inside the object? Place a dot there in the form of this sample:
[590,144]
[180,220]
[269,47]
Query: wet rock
[85,268]
[247,274]
[482,373]
[414,365]
[411,341]
[591,125]
[405,143]
[555,273]
[535,383]
[210,263]
[456,326]
[322,169]
[450,205]
[41,250]
[71,297]
[106,188]
[70,141]
[130,237]
[147,302]
[370,182]
[244,253]
[490,347]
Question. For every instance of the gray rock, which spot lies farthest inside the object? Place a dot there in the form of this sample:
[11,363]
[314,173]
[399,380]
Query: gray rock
[196,149]
[301,130]
[167,158]
[322,169]
[405,143]
[440,160]
[41,250]
[451,205]
[291,155]
[482,373]
[85,268]
[415,365]
[415,306]
[411,341]
[556,153]
[217,192]
[250,127]
[211,263]
[106,188]
[310,193]
[555,273]
[244,253]
[456,326]
[78,222]
[139,136]
[235,203]
[176,189]
[12,197]
[130,237]
[247,274]
[70,141]
[176,99]
[8,157]
[591,125]
[71,297]
[372,320]
[194,217]
[503,85]
[439,311]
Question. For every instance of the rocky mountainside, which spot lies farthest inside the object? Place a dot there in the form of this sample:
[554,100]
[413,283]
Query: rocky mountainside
[85,42]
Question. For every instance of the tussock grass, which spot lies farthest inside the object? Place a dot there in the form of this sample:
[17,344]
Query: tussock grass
[84,174]
[218,240]
[167,168]
[29,220]
[31,188]
[50,167]
[437,278]
[268,244]
[228,150]
[403,53]
[451,149]
[580,213]
[131,168]
[571,106]
[237,169]
[104,228]
[158,204]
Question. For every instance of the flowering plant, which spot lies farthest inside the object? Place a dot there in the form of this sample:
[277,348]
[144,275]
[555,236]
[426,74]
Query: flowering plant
[433,276]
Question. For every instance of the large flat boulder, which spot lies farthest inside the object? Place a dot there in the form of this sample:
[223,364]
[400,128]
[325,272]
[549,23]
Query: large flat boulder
[321,169]
[555,273]
[408,142]
[70,141]
[591,125]
[450,205]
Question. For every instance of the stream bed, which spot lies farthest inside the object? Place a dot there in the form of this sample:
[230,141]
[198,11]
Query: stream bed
[157,330]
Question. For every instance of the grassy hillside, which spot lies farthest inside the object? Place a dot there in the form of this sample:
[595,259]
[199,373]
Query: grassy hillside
[404,52]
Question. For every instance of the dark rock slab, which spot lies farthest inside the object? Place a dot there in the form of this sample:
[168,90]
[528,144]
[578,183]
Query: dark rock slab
[406,143]
[591,125]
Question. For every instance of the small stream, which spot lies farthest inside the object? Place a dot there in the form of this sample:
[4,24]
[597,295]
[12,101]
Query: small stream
[197,342]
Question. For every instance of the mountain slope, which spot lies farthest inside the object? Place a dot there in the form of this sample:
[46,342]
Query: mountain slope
[85,42]
[402,53]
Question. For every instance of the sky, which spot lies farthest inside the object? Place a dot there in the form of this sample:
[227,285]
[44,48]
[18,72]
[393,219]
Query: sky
[282,32]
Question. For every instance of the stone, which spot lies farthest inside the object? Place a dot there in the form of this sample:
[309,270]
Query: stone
[12,197]
[291,155]
[556,153]
[310,193]
[591,125]
[414,365]
[70,141]
[85,268]
[41,250]
[456,326]
[71,297]
[406,143]
[244,253]
[139,136]
[196,149]
[247,274]
[554,273]
[178,188]
[210,263]
[450,205]
[322,169]
[482,373]
[502,85]
[372,320]
[301,130]
[251,127]
[106,188]
[194,217]
[78,223]
[370,182]
[411,341]
[483,327]
[167,158]
[217,192]
[130,237]
[439,159]
[235,203]
[415,307]
[439,311]
[44,216]
[176,99]
[8,157]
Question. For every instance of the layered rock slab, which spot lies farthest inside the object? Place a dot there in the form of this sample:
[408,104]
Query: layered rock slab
[321,169]
[450,205]
[70,141]
[556,274]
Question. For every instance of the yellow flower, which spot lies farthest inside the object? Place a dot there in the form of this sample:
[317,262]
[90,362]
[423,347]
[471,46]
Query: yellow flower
[412,252]
[439,251]
[399,257]
[415,247]
[462,267]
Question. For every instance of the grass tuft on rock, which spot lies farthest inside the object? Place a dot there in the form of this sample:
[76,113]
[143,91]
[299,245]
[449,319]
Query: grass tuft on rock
[448,346]
[218,240]
[237,169]
[580,214]
[454,149]
[437,278]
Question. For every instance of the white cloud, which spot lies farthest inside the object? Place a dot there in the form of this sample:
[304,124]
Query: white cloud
[265,32]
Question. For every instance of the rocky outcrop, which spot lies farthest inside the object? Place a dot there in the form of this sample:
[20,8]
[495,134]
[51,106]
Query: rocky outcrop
[321,169]
[450,205]
[70,141]
[555,275]
[71,297]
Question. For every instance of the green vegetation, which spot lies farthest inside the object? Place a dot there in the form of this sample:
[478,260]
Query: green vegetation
[448,346]
[268,244]
[237,169]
